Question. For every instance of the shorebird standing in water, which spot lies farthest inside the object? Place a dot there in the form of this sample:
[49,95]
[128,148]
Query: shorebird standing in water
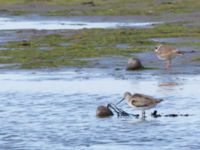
[167,53]
[140,101]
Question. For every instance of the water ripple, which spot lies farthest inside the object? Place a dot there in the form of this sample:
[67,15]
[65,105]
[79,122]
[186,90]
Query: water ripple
[34,117]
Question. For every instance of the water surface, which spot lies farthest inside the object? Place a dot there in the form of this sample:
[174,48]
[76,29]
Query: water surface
[51,23]
[56,110]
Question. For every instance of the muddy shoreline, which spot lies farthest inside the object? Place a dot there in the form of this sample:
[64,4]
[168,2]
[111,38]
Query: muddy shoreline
[185,64]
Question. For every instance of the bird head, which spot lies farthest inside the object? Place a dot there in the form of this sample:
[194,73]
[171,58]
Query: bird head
[127,95]
[157,47]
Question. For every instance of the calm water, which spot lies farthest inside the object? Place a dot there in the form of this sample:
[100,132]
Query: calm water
[55,110]
[52,23]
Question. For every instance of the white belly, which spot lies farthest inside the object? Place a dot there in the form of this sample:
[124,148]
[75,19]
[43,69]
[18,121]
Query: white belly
[141,108]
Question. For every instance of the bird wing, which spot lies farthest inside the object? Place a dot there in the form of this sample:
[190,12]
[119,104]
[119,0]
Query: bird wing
[168,51]
[141,100]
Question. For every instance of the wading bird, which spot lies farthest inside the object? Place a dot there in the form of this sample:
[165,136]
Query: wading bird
[140,101]
[167,53]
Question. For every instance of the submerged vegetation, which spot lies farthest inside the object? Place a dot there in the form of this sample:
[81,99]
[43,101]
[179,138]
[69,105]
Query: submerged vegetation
[73,47]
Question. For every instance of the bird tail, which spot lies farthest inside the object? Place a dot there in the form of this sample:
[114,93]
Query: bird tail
[159,100]
[179,52]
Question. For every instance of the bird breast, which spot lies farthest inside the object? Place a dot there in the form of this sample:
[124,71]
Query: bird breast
[165,52]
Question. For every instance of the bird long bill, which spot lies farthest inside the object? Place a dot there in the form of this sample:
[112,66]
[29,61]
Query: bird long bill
[120,101]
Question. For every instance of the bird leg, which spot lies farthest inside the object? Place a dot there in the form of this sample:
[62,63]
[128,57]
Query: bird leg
[168,64]
[143,114]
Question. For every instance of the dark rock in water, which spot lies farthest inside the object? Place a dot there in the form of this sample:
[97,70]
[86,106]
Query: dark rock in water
[155,114]
[185,115]
[171,115]
[117,69]
[103,111]
[134,64]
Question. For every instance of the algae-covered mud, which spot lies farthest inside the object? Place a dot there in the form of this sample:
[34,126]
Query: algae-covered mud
[33,41]
[30,49]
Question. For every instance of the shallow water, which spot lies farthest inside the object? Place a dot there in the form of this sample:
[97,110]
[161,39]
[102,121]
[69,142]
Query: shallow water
[56,110]
[47,23]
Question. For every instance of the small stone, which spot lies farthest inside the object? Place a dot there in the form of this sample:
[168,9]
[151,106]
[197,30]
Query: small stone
[25,43]
[134,64]
[117,69]
[185,115]
[155,114]
[91,3]
[103,111]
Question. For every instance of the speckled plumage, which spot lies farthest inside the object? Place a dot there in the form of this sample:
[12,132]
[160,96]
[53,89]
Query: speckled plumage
[165,52]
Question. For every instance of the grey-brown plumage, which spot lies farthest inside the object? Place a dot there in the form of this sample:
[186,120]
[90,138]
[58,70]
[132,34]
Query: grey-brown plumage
[141,101]
[167,53]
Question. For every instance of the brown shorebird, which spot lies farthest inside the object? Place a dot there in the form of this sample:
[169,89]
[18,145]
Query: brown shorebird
[140,101]
[167,53]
